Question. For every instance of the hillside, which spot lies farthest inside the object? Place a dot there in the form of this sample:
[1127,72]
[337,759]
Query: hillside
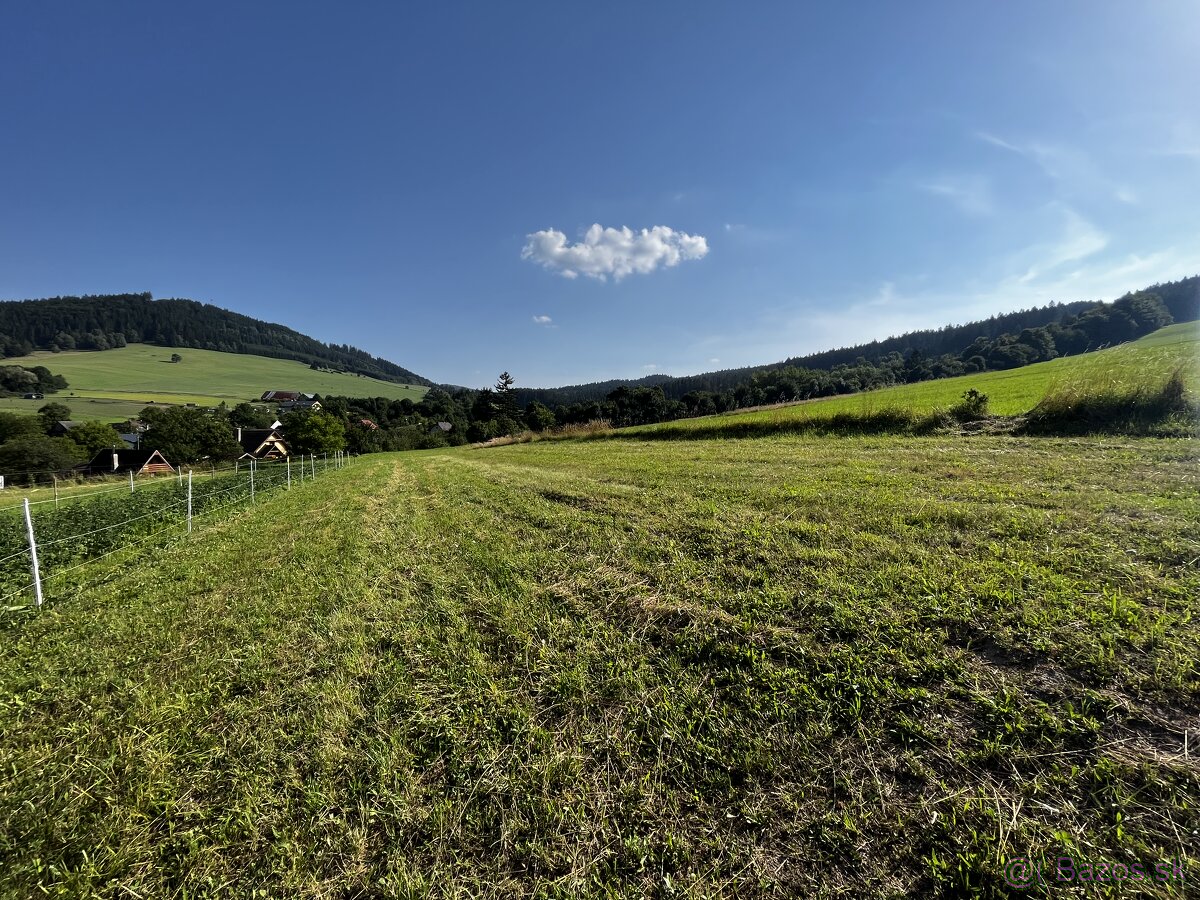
[790,666]
[1180,301]
[107,321]
[111,385]
[1146,361]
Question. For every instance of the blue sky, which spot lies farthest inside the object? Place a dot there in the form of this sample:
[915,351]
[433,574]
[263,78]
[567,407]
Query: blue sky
[420,180]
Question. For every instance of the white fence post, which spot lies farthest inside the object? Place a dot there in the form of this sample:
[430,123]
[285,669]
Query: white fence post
[37,575]
[131,481]
[289,467]
[55,477]
[251,481]
[313,460]
[189,501]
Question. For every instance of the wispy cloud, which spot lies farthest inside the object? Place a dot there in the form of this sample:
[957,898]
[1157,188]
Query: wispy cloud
[714,359]
[542,320]
[1073,169]
[970,193]
[1079,239]
[650,367]
[613,252]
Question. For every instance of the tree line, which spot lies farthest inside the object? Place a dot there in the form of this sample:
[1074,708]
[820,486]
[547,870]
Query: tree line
[108,321]
[1181,299]
[15,380]
[375,424]
[31,450]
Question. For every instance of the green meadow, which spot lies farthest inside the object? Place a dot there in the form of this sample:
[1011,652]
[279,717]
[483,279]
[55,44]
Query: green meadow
[782,666]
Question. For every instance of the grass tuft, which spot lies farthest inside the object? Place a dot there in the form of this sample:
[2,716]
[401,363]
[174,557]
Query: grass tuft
[1118,407]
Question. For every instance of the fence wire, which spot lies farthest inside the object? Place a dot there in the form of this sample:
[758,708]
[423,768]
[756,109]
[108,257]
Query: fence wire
[63,549]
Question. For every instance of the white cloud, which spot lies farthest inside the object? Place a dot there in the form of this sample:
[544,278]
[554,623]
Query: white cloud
[970,193]
[542,320]
[650,367]
[614,252]
[714,359]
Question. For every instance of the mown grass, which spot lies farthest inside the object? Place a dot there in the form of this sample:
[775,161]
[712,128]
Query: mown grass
[1116,372]
[114,384]
[791,666]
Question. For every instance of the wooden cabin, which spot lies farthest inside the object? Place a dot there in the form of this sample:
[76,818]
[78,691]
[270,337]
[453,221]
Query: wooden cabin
[140,462]
[262,443]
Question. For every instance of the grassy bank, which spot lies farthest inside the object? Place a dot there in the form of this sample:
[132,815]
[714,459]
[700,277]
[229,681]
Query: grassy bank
[791,666]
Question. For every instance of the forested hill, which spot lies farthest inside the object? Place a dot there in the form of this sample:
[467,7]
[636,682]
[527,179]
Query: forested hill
[997,342]
[104,321]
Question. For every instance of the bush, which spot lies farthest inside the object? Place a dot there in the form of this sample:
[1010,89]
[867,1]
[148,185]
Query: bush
[971,407]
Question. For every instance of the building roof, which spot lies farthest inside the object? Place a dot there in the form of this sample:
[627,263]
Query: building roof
[252,438]
[285,396]
[126,459]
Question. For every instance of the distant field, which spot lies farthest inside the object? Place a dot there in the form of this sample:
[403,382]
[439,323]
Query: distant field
[1010,392]
[114,384]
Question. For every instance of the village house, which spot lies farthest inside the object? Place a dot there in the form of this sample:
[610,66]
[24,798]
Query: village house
[262,443]
[117,462]
[307,404]
[292,401]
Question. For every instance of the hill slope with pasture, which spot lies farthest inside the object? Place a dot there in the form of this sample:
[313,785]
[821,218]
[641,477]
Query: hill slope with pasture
[106,321]
[1145,362]
[115,384]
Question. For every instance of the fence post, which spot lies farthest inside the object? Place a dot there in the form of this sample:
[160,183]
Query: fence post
[131,481]
[251,481]
[289,467]
[37,575]
[313,460]
[189,501]
[55,477]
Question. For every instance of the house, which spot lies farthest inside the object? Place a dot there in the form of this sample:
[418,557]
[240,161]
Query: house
[367,423]
[281,396]
[441,426]
[262,443]
[61,427]
[140,462]
[306,403]
[291,401]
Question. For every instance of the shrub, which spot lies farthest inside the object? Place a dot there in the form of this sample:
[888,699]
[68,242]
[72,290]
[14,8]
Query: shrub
[971,407]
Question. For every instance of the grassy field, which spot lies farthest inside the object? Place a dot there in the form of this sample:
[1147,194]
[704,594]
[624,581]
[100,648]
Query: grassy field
[114,384]
[775,667]
[1010,392]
